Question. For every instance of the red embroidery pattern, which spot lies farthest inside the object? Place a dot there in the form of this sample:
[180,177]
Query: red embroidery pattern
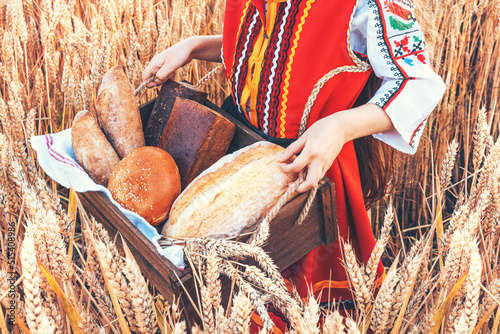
[404,48]
[398,10]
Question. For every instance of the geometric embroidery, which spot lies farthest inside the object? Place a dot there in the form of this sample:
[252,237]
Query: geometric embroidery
[380,27]
[405,47]
[402,47]
[406,44]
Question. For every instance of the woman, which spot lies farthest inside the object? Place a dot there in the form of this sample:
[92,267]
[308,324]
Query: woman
[275,52]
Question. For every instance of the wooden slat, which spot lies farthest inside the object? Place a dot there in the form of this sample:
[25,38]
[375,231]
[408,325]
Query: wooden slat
[153,265]
[289,241]
[328,209]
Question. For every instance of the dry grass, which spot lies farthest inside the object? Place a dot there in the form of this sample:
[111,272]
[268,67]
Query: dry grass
[72,278]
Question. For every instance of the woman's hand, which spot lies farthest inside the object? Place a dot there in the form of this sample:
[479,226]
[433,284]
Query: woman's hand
[318,148]
[164,64]
[320,144]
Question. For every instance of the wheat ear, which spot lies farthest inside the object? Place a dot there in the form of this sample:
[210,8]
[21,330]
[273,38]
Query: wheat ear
[112,271]
[473,288]
[333,323]
[351,326]
[141,300]
[361,292]
[382,306]
[378,250]
[240,314]
[311,316]
[31,284]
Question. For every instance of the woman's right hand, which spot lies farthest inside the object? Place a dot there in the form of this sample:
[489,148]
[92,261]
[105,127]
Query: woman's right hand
[164,64]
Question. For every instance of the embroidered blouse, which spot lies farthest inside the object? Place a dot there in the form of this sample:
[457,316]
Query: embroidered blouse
[384,33]
[387,32]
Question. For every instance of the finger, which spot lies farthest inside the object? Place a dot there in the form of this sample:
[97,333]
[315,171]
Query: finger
[151,69]
[151,84]
[297,165]
[294,148]
[146,74]
[314,171]
[163,74]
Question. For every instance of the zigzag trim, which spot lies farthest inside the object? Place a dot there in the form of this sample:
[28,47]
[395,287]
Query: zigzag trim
[289,67]
[241,60]
[245,11]
[273,69]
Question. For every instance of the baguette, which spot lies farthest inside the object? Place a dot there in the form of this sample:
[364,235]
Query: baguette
[232,196]
[118,112]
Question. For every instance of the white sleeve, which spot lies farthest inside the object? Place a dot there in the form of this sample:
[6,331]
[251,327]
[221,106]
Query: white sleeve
[387,33]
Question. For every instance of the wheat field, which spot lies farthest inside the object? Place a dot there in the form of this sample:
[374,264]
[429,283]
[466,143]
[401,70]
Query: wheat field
[61,272]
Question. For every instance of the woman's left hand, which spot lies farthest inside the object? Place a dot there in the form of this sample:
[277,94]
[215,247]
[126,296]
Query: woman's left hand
[318,148]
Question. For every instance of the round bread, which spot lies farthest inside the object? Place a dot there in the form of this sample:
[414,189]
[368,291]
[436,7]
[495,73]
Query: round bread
[146,182]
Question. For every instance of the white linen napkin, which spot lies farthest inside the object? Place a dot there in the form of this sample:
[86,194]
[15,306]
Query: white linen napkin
[57,158]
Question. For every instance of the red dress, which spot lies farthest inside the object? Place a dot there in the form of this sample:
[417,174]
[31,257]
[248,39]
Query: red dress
[273,57]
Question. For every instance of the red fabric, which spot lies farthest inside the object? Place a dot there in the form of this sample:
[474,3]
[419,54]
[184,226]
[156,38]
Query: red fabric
[321,47]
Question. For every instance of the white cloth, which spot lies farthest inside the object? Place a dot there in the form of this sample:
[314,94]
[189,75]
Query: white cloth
[387,33]
[56,157]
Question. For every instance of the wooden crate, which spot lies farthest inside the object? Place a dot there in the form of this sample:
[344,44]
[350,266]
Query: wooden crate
[287,243]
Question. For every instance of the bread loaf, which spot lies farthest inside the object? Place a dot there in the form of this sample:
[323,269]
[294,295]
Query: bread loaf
[163,107]
[232,196]
[146,182]
[118,112]
[92,150]
[196,137]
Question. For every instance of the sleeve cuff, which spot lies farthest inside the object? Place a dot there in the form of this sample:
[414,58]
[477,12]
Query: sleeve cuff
[409,111]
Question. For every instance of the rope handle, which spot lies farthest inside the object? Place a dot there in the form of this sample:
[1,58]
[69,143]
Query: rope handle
[200,83]
[260,237]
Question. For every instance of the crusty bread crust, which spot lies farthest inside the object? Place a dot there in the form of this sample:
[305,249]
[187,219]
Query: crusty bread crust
[232,196]
[118,112]
[92,150]
[147,182]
